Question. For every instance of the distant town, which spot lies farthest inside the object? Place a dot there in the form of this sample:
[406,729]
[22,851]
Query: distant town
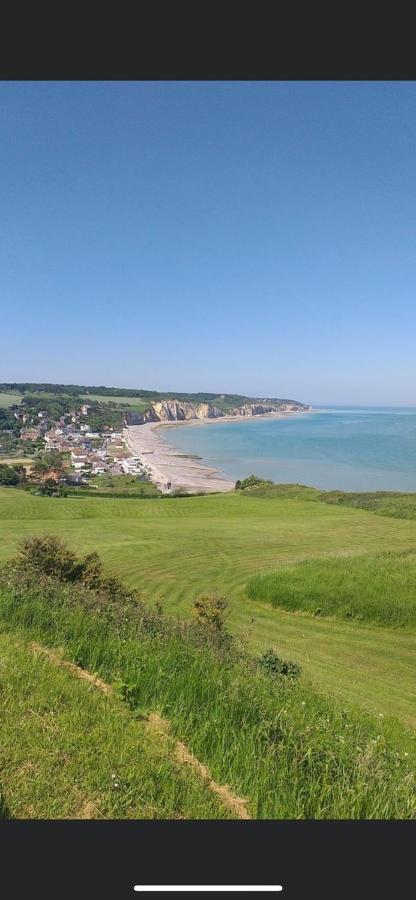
[72,435]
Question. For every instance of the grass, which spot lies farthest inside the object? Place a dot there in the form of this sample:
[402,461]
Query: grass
[378,589]
[126,484]
[134,402]
[289,751]
[385,503]
[175,549]
[9,399]
[16,460]
[82,754]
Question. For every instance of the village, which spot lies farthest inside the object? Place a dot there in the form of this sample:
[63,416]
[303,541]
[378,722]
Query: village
[86,452]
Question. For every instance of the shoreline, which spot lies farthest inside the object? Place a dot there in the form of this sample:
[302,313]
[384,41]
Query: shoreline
[170,468]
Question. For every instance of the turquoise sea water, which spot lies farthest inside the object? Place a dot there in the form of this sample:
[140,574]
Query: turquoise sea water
[352,449]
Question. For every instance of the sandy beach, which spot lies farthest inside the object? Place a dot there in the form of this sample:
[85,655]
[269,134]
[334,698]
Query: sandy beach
[171,469]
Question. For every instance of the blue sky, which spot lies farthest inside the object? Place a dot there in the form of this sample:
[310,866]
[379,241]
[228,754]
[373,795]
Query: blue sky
[250,237]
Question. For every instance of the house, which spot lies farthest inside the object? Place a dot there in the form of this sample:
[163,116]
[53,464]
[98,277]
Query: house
[85,409]
[31,434]
[75,478]
[79,459]
[98,469]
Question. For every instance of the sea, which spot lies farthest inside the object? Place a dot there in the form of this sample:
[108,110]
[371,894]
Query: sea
[351,449]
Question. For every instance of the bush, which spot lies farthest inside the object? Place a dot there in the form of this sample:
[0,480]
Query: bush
[211,611]
[9,476]
[49,556]
[251,481]
[92,571]
[271,663]
[50,488]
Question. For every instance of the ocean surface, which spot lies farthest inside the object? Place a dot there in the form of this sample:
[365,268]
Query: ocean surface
[353,449]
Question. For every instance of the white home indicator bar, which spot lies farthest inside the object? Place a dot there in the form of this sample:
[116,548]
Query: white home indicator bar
[207,887]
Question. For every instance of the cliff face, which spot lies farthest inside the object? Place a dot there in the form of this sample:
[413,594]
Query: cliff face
[176,411]
[179,411]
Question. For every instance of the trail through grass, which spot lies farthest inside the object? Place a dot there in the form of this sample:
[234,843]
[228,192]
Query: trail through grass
[68,751]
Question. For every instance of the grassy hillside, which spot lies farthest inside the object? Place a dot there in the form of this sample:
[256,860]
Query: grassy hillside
[174,549]
[385,503]
[69,751]
[377,589]
[279,745]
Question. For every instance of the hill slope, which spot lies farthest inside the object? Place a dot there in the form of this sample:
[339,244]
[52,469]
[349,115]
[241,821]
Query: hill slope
[173,550]
[80,753]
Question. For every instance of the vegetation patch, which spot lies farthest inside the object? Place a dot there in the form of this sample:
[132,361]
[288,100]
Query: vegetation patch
[385,503]
[8,398]
[271,739]
[378,589]
[81,754]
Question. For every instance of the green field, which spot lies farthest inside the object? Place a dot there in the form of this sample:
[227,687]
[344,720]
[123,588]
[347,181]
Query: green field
[133,402]
[274,746]
[174,549]
[7,399]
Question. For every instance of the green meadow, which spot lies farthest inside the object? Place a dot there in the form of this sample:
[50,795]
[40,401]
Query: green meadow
[134,402]
[265,746]
[174,549]
[9,399]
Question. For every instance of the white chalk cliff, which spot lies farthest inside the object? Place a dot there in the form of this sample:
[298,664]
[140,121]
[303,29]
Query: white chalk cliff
[180,410]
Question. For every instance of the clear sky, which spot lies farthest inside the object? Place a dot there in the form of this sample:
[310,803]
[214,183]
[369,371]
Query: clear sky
[249,237]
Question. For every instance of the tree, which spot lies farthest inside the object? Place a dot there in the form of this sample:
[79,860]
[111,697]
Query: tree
[49,488]
[9,476]
[48,462]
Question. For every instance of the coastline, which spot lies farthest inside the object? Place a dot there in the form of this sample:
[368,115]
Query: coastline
[169,468]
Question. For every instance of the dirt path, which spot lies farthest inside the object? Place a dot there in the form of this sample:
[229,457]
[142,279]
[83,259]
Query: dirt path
[236,805]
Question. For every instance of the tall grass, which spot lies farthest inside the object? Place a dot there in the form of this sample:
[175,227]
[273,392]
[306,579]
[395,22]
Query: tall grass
[288,750]
[378,589]
[385,503]
[69,751]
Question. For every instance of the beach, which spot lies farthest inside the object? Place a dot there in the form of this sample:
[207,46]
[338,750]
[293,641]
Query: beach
[169,468]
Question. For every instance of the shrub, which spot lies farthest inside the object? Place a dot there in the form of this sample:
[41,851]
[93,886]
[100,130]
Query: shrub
[9,476]
[211,611]
[50,488]
[49,556]
[271,663]
[251,481]
[92,571]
